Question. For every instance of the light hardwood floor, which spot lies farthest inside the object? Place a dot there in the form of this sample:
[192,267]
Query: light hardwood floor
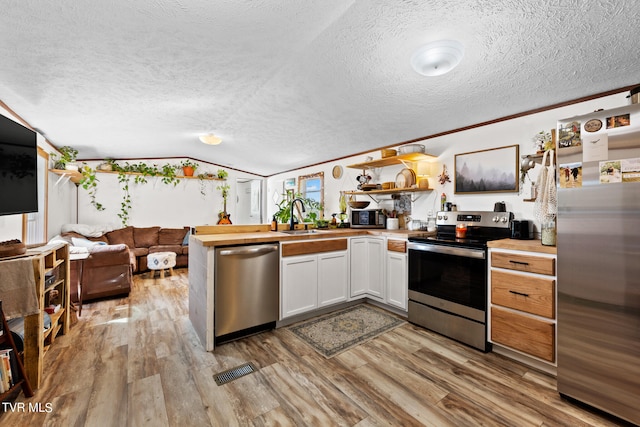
[136,361]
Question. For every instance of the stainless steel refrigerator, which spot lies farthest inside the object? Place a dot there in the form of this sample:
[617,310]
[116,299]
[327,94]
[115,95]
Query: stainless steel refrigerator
[598,242]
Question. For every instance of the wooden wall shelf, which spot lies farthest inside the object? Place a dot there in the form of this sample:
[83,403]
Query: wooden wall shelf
[393,160]
[76,176]
[390,191]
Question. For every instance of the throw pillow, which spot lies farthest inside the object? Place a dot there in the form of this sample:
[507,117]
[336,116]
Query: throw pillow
[85,243]
[171,236]
[123,235]
[145,237]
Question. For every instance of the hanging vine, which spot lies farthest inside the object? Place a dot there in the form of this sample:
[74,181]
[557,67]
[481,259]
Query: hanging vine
[125,204]
[140,173]
[90,183]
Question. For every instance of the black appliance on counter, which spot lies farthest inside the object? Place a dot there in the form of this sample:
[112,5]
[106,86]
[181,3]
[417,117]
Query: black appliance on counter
[521,229]
[448,275]
[368,218]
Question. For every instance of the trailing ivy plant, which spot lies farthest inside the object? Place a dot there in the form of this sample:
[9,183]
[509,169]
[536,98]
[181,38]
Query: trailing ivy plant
[67,155]
[169,174]
[201,179]
[140,173]
[125,204]
[90,183]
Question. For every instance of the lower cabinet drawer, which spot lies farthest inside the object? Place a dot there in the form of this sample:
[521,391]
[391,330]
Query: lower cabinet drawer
[534,295]
[533,336]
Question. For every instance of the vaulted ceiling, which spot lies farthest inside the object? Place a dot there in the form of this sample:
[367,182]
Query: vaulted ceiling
[287,84]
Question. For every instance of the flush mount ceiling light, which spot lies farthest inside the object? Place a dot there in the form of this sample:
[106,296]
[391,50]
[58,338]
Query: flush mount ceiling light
[210,139]
[437,58]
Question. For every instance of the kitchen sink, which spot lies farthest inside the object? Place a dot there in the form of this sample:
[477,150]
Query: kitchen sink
[314,231]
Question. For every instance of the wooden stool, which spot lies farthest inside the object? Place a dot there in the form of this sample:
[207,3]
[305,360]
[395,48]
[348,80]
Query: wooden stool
[161,261]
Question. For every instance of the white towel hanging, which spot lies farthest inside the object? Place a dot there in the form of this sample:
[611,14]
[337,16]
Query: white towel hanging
[546,204]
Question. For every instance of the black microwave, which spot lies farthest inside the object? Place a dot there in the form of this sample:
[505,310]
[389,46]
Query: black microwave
[368,218]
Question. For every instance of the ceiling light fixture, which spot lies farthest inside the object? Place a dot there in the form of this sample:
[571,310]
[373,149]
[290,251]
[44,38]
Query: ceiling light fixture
[437,58]
[210,139]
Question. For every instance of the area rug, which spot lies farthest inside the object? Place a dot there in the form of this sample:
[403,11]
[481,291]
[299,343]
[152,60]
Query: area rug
[336,332]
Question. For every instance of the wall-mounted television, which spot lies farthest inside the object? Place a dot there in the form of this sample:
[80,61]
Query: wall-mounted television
[18,168]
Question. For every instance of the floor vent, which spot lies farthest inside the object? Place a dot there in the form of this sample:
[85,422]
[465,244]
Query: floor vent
[234,373]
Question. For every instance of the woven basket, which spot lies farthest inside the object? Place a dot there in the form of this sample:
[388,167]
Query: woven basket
[11,248]
[388,153]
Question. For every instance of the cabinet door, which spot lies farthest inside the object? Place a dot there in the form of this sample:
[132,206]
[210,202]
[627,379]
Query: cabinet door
[299,285]
[333,278]
[397,285]
[359,275]
[376,266]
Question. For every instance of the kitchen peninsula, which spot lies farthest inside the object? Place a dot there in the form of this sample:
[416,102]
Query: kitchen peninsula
[203,244]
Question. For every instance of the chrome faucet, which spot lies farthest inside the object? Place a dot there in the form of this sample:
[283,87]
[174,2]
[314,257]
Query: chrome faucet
[291,223]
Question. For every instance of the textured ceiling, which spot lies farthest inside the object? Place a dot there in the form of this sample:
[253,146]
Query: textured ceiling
[289,83]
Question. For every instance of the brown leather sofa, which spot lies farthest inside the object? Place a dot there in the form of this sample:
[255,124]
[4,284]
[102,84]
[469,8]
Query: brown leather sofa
[143,241]
[109,268]
[107,272]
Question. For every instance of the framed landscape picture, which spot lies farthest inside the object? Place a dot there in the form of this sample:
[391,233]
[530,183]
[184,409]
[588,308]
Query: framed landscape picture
[488,171]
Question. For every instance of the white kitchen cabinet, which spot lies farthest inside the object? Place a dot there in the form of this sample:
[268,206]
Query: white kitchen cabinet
[299,284]
[314,274]
[333,278]
[397,284]
[367,267]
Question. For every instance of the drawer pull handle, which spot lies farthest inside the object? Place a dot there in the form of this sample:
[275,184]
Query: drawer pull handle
[518,262]
[519,293]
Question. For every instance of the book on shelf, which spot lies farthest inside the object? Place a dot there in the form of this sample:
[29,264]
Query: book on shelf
[8,369]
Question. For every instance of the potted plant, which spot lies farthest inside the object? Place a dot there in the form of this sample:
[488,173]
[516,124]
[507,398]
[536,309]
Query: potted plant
[66,159]
[222,174]
[188,167]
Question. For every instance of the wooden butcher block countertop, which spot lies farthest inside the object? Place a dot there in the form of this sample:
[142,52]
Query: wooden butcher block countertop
[523,245]
[240,236]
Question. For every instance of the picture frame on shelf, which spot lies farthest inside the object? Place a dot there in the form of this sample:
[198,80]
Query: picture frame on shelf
[494,170]
[289,183]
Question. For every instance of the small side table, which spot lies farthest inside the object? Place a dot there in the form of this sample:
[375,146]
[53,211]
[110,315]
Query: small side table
[79,258]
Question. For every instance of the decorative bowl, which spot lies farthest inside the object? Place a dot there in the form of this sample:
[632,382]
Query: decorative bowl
[358,205]
[411,148]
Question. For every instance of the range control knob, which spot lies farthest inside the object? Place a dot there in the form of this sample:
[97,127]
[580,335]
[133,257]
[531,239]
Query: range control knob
[505,219]
[496,219]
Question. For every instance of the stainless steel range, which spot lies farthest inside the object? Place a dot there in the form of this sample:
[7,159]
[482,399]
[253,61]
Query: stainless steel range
[448,274]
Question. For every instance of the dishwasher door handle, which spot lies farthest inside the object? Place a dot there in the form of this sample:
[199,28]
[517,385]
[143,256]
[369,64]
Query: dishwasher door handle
[249,250]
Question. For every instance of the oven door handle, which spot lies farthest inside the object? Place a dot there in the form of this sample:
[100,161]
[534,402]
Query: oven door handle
[448,250]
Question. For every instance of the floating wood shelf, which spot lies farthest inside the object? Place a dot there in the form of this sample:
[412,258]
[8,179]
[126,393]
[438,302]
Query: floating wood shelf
[390,191]
[76,176]
[393,160]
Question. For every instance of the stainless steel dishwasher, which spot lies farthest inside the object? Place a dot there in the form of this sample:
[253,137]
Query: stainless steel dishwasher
[246,290]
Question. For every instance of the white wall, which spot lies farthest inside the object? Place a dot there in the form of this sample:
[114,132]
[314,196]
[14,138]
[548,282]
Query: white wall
[156,203]
[516,131]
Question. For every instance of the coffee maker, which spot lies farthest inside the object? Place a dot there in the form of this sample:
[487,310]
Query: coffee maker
[521,229]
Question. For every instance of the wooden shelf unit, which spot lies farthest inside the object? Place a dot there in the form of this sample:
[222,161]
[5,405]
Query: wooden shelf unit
[390,191]
[76,176]
[23,381]
[37,340]
[400,159]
